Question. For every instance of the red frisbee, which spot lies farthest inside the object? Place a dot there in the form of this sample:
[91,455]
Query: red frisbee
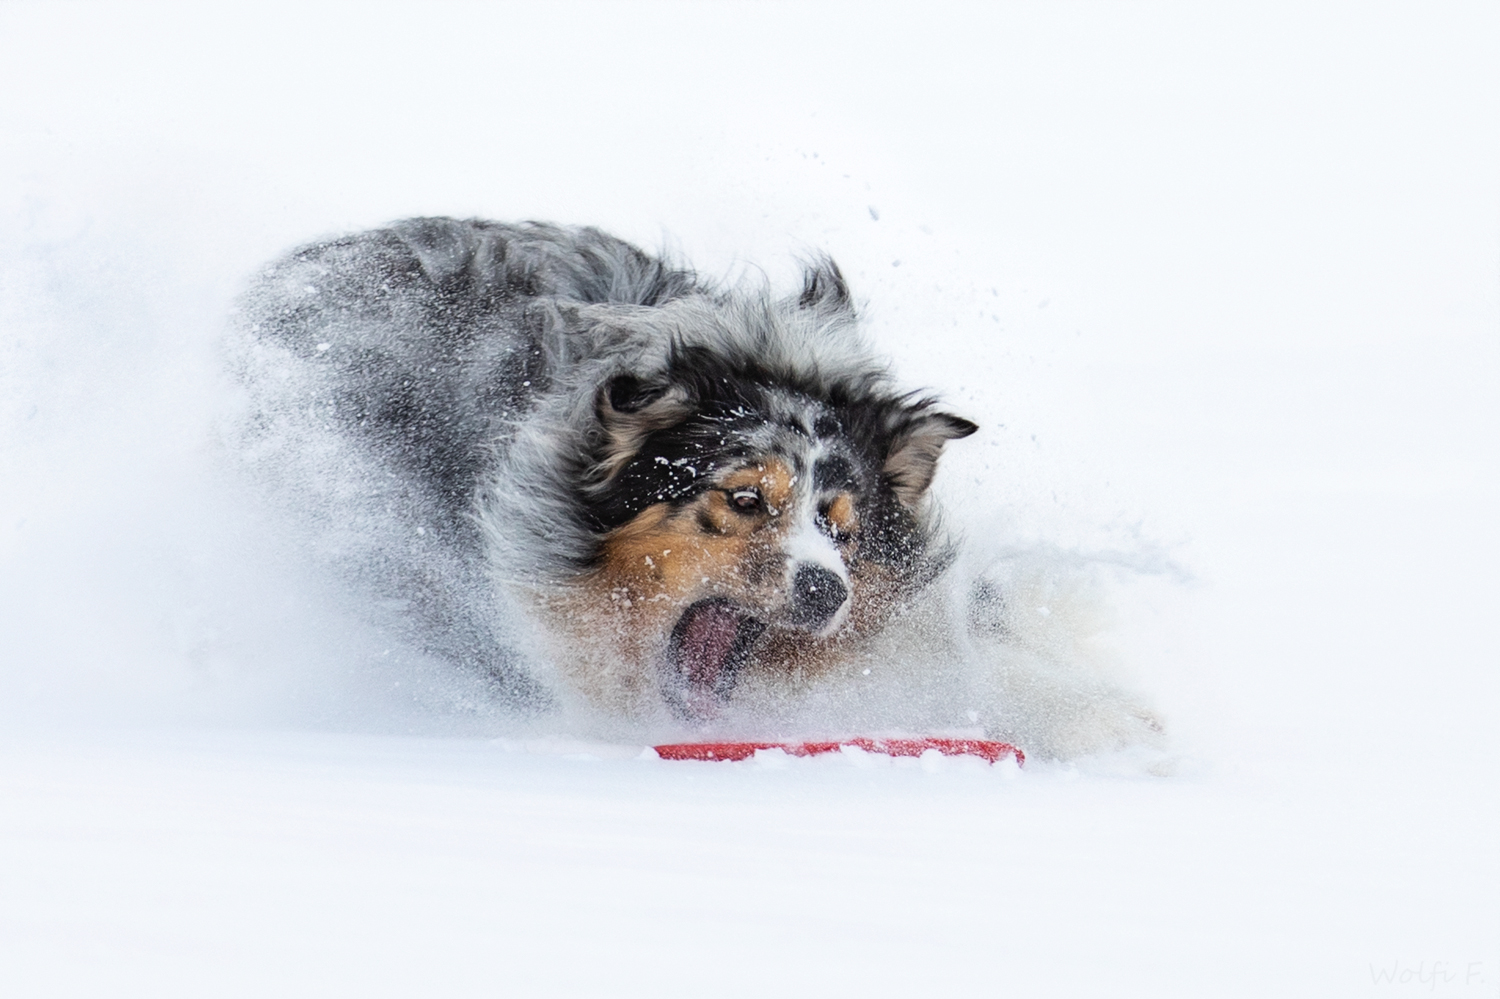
[988,749]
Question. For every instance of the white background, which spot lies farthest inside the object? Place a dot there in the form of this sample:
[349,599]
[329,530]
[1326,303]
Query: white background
[1220,282]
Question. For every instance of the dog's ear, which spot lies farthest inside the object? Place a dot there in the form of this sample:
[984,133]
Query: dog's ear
[628,394]
[823,288]
[911,460]
[629,409]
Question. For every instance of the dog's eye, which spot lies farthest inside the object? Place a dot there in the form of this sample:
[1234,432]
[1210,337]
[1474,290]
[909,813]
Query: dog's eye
[745,500]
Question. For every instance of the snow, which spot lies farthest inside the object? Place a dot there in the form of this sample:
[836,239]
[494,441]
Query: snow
[1221,286]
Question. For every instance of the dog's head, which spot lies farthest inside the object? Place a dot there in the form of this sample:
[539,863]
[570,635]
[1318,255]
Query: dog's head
[753,511]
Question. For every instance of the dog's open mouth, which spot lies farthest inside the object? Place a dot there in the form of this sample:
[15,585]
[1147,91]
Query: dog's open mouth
[711,641]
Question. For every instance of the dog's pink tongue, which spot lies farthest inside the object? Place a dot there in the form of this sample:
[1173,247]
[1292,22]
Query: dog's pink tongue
[706,643]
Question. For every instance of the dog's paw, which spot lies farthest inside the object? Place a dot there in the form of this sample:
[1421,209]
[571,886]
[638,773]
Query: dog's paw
[1102,726]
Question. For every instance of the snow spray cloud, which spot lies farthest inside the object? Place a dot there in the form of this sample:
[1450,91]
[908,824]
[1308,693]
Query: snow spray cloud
[141,582]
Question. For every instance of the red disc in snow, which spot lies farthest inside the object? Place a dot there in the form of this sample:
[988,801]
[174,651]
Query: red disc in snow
[987,749]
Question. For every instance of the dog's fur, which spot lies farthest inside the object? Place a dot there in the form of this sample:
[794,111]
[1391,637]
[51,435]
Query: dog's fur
[702,495]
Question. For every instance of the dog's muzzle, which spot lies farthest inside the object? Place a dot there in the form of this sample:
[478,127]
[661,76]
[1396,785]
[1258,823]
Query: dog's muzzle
[714,637]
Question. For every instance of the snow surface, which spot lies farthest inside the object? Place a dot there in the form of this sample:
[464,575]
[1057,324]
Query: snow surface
[1221,285]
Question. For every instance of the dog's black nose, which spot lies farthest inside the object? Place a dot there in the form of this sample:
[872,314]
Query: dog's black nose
[817,594]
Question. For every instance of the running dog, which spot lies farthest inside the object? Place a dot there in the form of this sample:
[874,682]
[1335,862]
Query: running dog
[695,491]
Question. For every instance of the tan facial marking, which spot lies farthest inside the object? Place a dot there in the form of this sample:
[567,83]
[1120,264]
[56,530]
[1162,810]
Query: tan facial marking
[665,550]
[841,515]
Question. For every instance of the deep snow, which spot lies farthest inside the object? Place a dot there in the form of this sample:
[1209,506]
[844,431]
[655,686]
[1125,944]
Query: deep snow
[1222,287]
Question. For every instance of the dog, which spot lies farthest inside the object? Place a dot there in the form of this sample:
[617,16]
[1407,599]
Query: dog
[585,473]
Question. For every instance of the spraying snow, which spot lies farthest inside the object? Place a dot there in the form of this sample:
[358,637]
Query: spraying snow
[1218,287]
